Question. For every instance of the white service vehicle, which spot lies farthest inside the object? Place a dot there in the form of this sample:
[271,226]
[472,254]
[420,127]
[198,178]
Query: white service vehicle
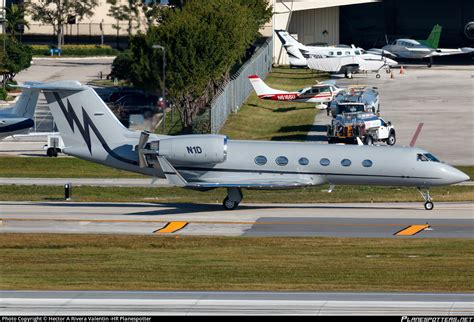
[384,132]
[54,145]
[368,127]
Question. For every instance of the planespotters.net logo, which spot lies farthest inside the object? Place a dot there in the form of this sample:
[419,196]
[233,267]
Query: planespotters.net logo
[437,319]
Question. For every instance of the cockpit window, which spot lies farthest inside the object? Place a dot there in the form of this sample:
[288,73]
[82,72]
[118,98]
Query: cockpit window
[421,157]
[431,157]
[426,157]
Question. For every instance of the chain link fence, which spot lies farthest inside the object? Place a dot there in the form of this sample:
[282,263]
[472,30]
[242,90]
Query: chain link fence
[238,89]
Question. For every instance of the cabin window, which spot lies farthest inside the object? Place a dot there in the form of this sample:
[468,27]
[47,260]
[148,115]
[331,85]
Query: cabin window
[339,53]
[331,53]
[281,160]
[367,163]
[348,53]
[324,162]
[303,161]
[346,162]
[260,160]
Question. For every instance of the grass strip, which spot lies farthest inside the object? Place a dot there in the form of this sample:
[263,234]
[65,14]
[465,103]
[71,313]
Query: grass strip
[318,194]
[259,119]
[115,262]
[43,167]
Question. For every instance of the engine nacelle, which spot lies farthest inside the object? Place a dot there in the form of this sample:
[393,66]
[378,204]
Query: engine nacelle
[205,149]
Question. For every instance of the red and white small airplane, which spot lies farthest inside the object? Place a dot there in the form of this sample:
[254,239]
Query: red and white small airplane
[323,92]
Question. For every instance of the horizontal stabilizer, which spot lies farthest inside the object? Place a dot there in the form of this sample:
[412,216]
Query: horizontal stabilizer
[55,86]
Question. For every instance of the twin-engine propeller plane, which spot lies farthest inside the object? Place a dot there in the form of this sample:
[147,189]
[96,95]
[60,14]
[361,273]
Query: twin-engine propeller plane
[321,93]
[335,59]
[422,49]
[202,162]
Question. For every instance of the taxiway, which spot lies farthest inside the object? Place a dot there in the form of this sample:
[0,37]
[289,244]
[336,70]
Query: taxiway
[398,220]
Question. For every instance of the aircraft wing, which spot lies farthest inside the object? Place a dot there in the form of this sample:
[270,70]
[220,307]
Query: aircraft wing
[449,51]
[381,52]
[175,178]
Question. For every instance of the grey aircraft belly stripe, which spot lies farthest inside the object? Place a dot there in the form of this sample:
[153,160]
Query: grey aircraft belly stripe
[296,172]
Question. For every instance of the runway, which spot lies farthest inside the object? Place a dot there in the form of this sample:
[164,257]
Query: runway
[396,220]
[229,303]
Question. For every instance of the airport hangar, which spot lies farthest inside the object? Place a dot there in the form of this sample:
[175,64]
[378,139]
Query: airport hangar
[366,22]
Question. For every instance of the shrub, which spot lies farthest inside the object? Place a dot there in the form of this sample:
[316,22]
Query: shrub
[3,94]
[75,50]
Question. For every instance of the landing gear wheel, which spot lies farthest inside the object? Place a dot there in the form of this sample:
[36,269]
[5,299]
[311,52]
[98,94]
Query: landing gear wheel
[425,193]
[377,76]
[50,152]
[229,204]
[429,205]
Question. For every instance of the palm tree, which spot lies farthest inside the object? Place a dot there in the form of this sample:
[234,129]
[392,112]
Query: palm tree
[15,19]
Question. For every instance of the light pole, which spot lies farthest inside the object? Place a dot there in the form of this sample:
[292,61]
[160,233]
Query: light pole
[164,83]
[3,20]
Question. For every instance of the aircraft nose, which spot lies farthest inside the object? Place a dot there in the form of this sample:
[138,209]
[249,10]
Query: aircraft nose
[391,62]
[456,176]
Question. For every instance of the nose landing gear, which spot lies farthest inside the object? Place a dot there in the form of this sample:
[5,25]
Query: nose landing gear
[425,193]
[234,197]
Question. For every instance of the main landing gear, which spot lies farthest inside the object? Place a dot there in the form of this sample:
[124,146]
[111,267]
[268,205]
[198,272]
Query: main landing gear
[234,196]
[425,193]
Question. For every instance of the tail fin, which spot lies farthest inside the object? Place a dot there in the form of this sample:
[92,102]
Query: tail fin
[295,50]
[433,39]
[261,88]
[87,126]
[26,104]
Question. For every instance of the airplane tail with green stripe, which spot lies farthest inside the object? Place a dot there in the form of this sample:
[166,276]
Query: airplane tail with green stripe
[433,39]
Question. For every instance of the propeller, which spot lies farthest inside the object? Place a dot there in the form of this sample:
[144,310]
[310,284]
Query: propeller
[141,146]
[415,136]
[469,30]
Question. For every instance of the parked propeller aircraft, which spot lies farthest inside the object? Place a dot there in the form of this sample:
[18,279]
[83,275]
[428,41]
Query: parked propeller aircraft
[202,162]
[348,65]
[421,49]
[337,59]
[18,119]
[322,92]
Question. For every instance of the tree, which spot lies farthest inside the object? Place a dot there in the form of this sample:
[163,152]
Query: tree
[15,15]
[203,40]
[129,12]
[17,58]
[57,12]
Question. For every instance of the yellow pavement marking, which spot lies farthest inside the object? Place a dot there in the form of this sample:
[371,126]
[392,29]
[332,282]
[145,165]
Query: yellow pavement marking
[411,230]
[172,227]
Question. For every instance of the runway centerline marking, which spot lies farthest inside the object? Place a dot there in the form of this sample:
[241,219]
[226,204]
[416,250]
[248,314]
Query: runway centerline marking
[412,230]
[171,227]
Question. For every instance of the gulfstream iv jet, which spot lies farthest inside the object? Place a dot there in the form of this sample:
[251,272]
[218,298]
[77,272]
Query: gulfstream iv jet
[202,162]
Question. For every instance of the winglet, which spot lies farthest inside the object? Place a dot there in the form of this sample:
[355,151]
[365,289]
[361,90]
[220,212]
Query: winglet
[172,175]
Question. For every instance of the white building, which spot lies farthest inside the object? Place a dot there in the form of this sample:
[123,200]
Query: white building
[310,21]
[2,14]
